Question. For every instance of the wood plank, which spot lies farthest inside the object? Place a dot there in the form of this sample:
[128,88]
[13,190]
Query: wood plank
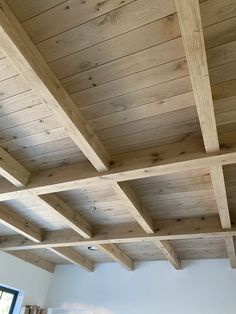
[223,72]
[159,31]
[221,54]
[12,170]
[18,86]
[126,18]
[229,241]
[130,166]
[18,102]
[224,89]
[167,250]
[81,226]
[71,217]
[152,94]
[220,33]
[137,62]
[34,259]
[6,70]
[218,182]
[67,15]
[26,9]
[74,257]
[188,12]
[136,208]
[171,229]
[191,29]
[156,75]
[19,224]
[215,11]
[149,110]
[29,63]
[117,255]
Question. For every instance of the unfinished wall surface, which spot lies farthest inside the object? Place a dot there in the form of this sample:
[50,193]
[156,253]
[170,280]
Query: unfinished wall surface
[24,276]
[206,287]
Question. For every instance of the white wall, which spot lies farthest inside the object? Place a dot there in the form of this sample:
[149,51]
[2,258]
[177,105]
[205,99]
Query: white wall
[206,287]
[24,276]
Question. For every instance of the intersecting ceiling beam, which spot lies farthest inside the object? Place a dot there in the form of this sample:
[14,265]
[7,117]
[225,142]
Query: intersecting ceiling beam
[67,214]
[134,205]
[188,12]
[187,228]
[12,170]
[19,224]
[34,259]
[143,218]
[72,218]
[137,166]
[23,54]
[30,231]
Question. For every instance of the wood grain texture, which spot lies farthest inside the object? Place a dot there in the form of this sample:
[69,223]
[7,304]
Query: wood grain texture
[20,50]
[182,229]
[66,213]
[34,259]
[229,241]
[140,98]
[12,170]
[168,251]
[191,29]
[134,205]
[74,257]
[116,254]
[19,224]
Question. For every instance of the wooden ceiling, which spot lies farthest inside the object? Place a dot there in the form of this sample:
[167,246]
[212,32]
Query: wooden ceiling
[117,131]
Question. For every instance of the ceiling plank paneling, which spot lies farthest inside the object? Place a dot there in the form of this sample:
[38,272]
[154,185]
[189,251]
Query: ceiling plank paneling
[20,50]
[73,257]
[12,170]
[34,259]
[19,224]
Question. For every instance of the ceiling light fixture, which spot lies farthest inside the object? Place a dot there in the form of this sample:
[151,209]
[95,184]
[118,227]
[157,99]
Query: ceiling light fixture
[92,248]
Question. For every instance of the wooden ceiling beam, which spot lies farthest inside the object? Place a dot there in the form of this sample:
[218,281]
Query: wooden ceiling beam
[12,170]
[134,205]
[218,182]
[137,166]
[72,218]
[229,241]
[74,257]
[143,218]
[117,255]
[167,250]
[188,12]
[18,47]
[34,259]
[19,224]
[67,214]
[187,228]
[32,232]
